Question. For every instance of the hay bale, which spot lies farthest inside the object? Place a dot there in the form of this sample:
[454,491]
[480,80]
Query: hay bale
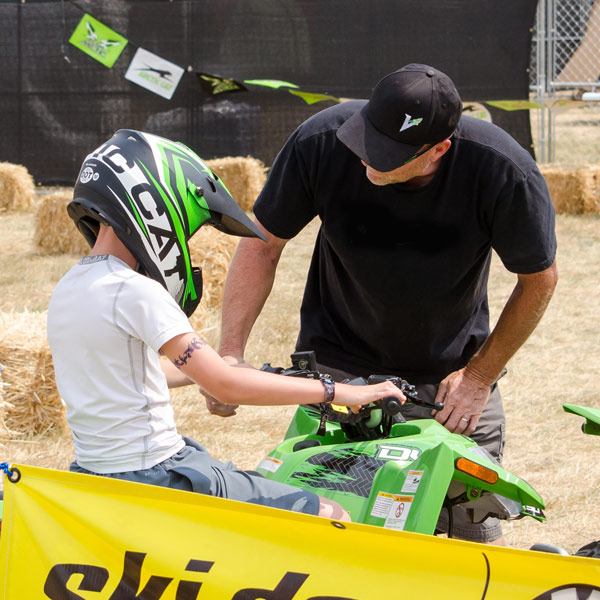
[17,188]
[244,177]
[213,251]
[574,190]
[55,232]
[565,189]
[590,177]
[31,401]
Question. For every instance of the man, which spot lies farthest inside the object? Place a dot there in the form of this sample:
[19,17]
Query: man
[412,199]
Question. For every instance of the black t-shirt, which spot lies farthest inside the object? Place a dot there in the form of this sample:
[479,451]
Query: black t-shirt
[398,278]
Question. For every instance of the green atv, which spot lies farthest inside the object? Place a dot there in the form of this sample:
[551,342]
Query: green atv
[388,472]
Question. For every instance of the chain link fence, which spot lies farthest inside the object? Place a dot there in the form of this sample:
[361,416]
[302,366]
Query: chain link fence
[564,82]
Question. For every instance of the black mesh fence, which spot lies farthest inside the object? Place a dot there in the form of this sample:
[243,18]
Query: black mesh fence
[57,103]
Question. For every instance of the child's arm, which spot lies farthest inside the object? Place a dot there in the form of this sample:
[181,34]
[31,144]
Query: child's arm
[200,363]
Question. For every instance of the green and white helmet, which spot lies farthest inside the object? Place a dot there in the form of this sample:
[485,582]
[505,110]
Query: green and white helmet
[155,194]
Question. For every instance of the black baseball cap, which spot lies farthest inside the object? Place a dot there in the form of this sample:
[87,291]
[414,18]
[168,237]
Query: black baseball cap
[411,107]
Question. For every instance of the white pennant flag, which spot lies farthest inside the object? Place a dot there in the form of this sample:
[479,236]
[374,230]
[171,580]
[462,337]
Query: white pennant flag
[154,73]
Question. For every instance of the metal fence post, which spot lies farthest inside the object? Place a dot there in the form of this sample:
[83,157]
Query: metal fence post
[565,63]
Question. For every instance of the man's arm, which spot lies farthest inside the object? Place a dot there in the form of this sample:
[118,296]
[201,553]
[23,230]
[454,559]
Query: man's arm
[175,378]
[466,391]
[248,285]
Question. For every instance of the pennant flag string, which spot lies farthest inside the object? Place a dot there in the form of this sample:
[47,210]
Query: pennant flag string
[157,74]
[63,46]
[162,77]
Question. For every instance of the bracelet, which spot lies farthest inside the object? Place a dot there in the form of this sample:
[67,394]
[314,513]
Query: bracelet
[329,386]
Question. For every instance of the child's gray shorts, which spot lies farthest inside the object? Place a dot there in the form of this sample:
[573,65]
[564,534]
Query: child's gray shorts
[193,469]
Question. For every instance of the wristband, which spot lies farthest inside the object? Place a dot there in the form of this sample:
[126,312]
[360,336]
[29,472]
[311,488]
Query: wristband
[329,386]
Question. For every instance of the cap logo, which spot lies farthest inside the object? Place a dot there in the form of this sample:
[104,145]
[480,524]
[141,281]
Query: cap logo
[410,122]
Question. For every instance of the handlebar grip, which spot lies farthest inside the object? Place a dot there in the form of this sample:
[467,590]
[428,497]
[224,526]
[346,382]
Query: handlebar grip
[391,406]
[408,390]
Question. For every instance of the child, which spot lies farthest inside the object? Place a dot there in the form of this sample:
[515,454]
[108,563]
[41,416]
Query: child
[137,200]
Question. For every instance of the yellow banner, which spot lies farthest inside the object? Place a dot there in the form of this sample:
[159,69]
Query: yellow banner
[67,536]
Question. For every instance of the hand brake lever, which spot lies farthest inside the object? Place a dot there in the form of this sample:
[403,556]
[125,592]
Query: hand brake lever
[409,390]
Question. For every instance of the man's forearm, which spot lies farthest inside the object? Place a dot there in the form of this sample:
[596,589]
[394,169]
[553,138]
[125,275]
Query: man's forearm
[520,316]
[175,378]
[248,285]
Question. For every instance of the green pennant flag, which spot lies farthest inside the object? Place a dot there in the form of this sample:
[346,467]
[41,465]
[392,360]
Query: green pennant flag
[98,41]
[513,104]
[313,98]
[214,84]
[272,83]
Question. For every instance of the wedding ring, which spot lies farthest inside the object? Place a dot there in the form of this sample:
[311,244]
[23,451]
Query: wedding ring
[463,419]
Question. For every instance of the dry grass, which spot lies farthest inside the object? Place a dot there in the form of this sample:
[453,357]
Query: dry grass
[558,364]
[26,277]
[574,132]
[577,135]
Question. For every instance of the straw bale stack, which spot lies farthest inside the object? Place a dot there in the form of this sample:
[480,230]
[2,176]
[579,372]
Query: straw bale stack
[55,232]
[213,251]
[17,188]
[30,402]
[590,178]
[244,177]
[574,190]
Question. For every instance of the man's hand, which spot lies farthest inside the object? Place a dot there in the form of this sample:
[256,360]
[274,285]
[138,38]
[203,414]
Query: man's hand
[216,407]
[464,399]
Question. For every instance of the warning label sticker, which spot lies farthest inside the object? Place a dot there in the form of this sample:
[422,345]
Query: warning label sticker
[270,464]
[412,481]
[381,506]
[399,511]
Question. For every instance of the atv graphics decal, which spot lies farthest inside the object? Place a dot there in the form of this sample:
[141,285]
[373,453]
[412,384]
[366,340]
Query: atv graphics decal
[398,453]
[347,470]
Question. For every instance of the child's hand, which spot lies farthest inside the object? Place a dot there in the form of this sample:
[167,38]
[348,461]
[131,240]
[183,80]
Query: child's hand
[355,396]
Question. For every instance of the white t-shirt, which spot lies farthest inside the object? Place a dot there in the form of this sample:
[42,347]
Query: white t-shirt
[106,324]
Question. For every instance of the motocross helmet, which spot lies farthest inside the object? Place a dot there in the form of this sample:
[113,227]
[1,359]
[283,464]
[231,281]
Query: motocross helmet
[155,194]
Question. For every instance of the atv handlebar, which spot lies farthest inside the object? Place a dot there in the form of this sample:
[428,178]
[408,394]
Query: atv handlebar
[373,420]
[410,391]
